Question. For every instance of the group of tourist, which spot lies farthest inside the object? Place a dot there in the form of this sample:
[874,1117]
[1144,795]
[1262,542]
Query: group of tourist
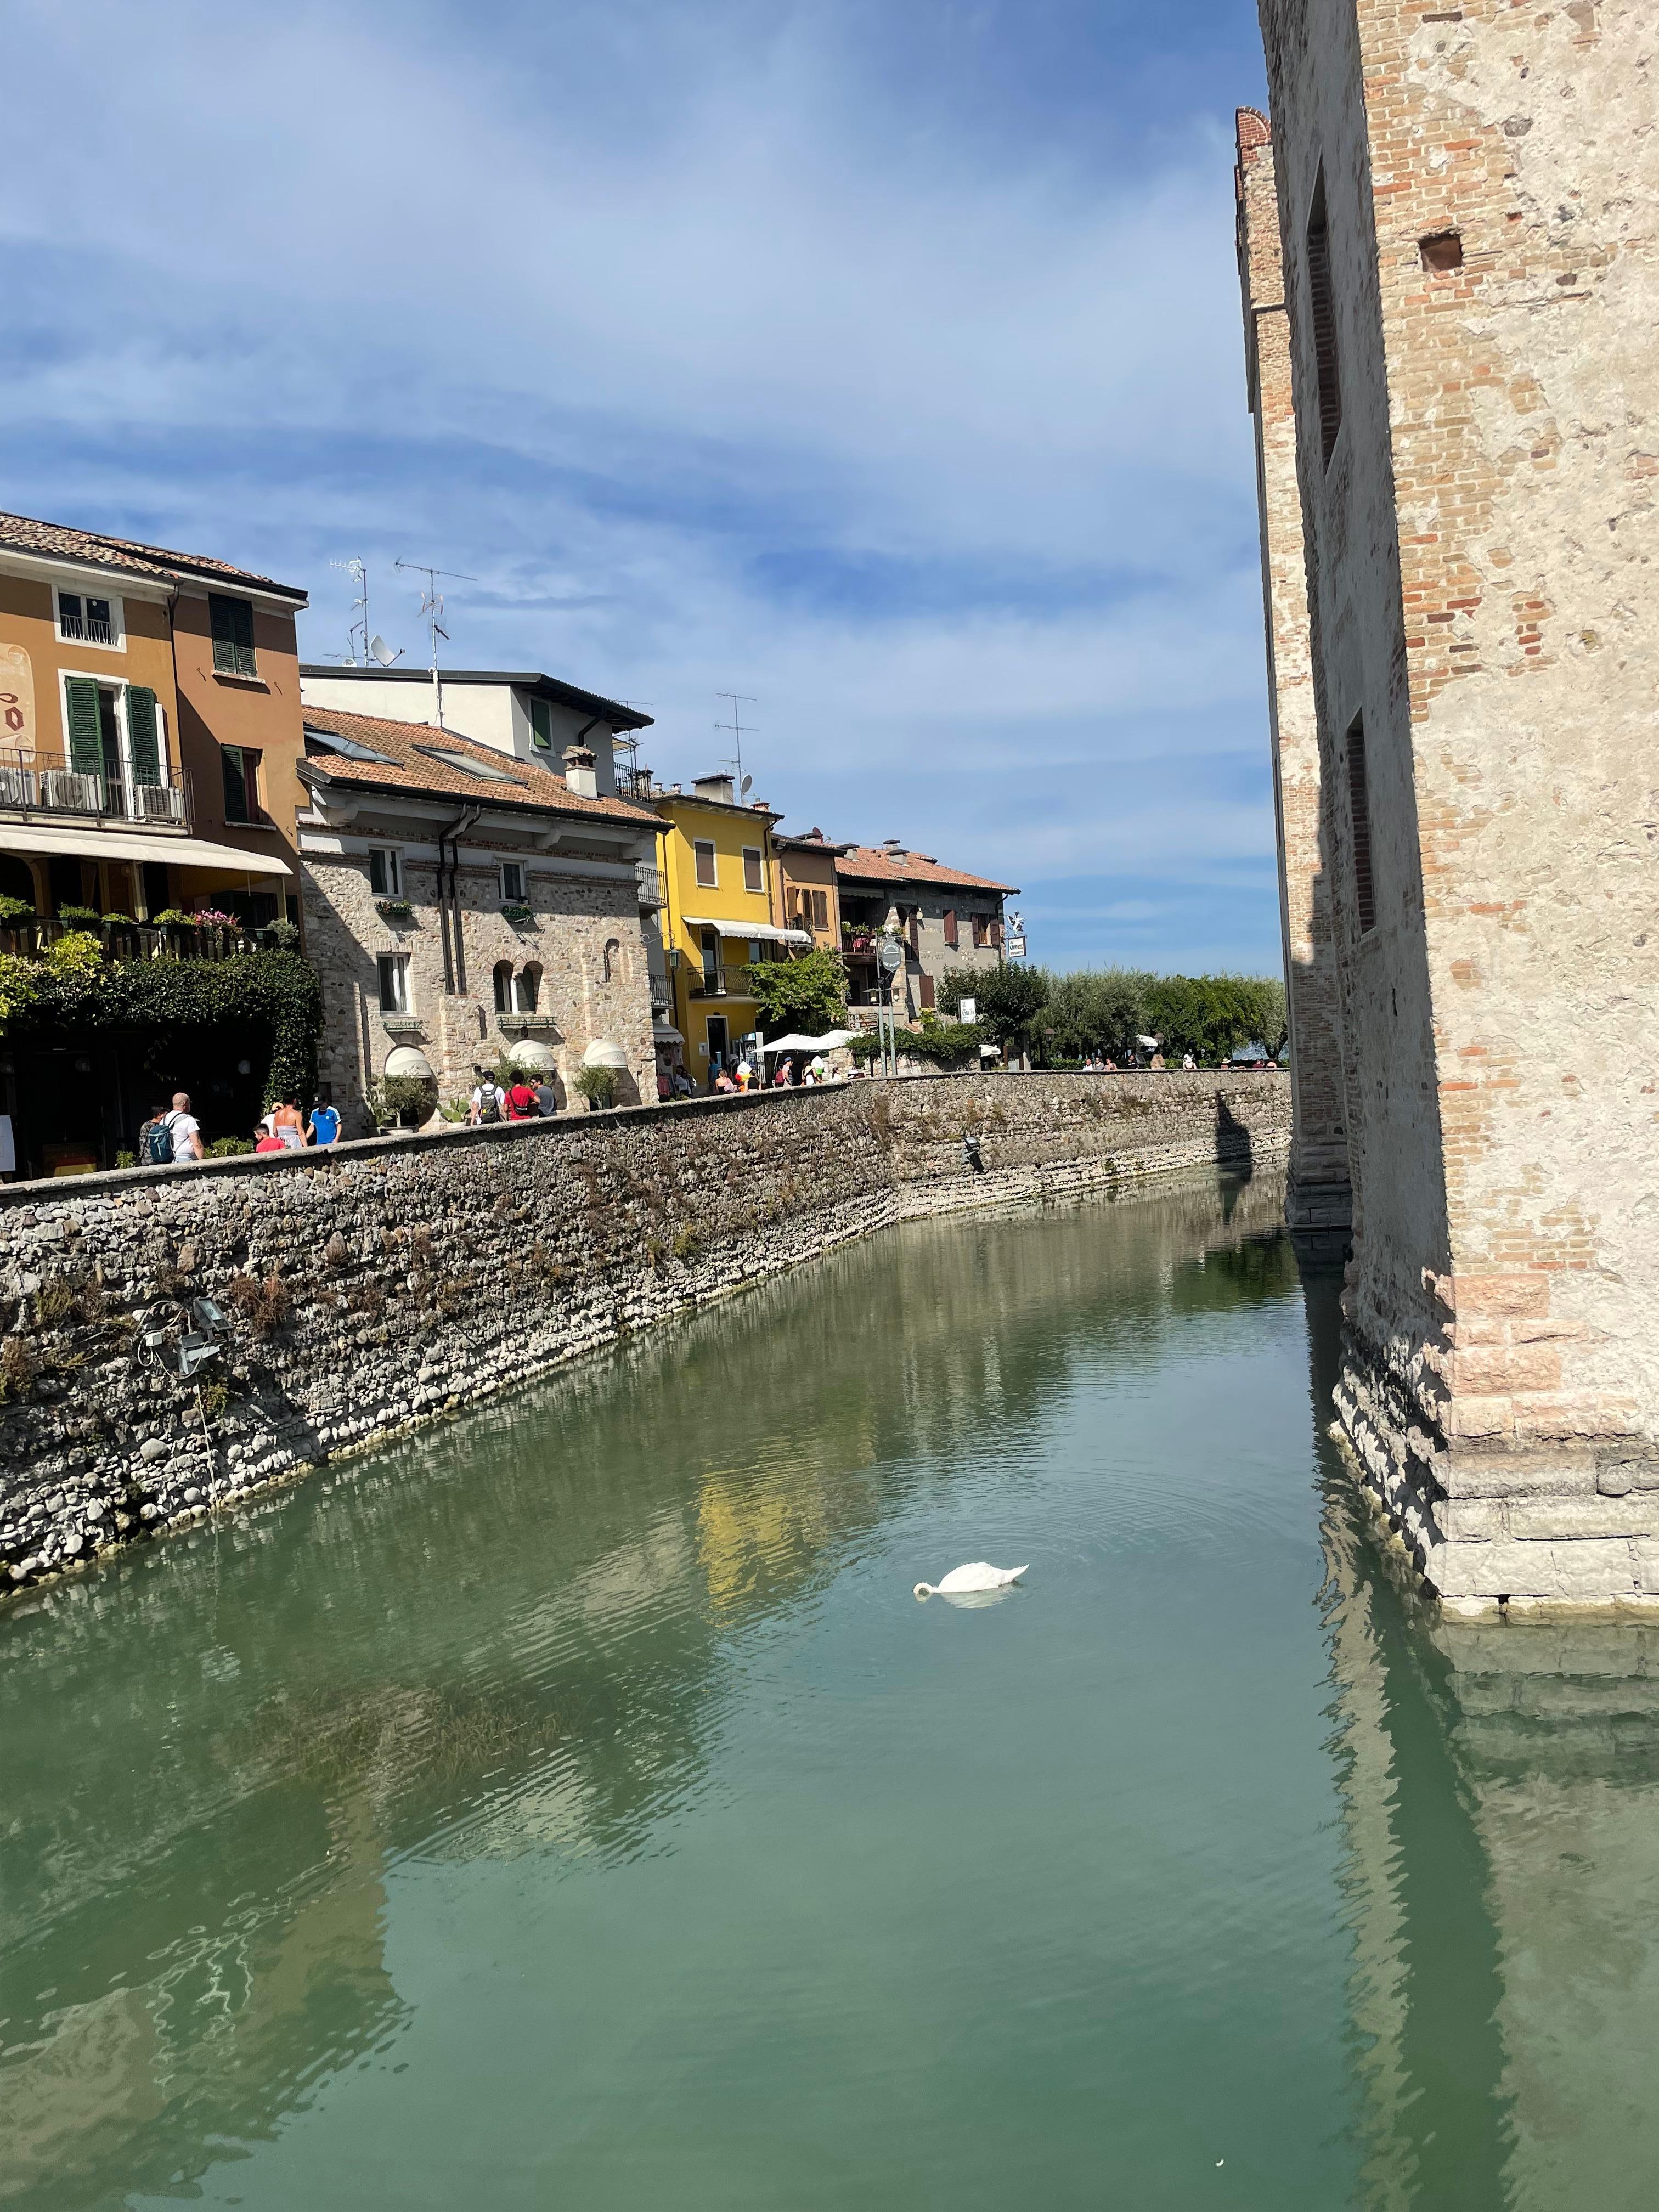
[520,1101]
[172,1134]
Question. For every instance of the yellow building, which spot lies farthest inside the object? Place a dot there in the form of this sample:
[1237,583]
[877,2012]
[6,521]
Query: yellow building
[718,867]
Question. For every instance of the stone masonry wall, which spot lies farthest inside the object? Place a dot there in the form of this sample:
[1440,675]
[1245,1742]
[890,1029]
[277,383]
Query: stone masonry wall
[1479,545]
[1319,1197]
[394,1280]
[584,939]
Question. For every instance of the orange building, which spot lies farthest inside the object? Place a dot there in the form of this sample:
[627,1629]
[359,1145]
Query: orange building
[805,893]
[150,729]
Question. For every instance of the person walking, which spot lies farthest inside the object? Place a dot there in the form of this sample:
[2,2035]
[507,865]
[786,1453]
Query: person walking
[488,1101]
[155,1138]
[287,1126]
[324,1127]
[786,1074]
[184,1130]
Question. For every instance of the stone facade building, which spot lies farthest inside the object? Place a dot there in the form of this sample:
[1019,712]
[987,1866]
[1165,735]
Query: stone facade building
[1318,1197]
[946,918]
[1471,270]
[461,906]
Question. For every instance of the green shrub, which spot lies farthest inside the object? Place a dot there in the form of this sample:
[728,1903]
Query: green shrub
[599,1085]
[79,954]
[230,1148]
[282,935]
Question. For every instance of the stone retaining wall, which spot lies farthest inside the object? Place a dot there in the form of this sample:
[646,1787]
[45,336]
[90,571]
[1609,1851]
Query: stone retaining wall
[394,1280]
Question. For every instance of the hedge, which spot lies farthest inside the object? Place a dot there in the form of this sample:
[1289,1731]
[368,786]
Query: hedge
[278,991]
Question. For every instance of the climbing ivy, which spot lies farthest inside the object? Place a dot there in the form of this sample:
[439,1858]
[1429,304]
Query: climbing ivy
[278,991]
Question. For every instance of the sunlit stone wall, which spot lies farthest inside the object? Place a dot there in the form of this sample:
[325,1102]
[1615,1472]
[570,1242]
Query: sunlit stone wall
[392,1280]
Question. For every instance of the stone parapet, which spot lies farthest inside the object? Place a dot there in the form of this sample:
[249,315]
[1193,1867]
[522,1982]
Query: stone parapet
[392,1280]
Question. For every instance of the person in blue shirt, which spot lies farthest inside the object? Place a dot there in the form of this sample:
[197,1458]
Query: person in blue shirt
[324,1127]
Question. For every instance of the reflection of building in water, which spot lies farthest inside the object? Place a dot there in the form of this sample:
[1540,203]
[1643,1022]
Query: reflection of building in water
[1501,1799]
[512,1635]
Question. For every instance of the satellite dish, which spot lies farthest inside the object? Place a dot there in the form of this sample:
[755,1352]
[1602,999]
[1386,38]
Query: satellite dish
[748,785]
[380,651]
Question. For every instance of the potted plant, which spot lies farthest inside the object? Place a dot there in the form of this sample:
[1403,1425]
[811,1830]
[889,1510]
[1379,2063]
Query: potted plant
[516,912]
[393,909]
[16,915]
[599,1085]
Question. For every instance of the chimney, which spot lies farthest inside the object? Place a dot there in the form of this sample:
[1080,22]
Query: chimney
[579,772]
[892,845]
[717,787]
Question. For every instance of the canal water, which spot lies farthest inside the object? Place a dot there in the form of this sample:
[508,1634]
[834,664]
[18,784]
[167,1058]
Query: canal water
[572,1807]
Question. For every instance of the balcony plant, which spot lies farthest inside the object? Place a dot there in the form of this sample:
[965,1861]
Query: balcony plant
[393,909]
[172,917]
[515,912]
[14,912]
[282,935]
[80,917]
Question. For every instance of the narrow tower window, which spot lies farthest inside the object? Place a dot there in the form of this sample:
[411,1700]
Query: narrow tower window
[1359,806]
[1322,308]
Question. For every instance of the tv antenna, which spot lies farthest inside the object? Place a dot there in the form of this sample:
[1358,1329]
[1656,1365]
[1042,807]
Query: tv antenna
[739,701]
[362,647]
[432,613]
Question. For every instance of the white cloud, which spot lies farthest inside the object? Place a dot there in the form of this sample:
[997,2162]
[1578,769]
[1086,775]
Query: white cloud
[675,334]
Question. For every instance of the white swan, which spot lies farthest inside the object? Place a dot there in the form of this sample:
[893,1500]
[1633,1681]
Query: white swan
[978,1576]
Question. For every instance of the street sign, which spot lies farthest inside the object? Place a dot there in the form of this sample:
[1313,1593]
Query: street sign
[891,954]
[968,1011]
[1016,948]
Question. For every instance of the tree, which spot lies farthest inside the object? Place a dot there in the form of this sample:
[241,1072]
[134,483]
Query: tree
[1008,999]
[809,994]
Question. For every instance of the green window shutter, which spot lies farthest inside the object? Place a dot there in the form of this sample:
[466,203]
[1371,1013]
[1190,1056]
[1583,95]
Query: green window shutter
[541,725]
[86,742]
[232,624]
[145,753]
[235,784]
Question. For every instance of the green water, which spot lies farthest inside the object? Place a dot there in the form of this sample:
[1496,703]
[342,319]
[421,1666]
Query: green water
[573,1807]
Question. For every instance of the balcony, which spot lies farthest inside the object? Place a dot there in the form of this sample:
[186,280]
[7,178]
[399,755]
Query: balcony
[47,783]
[649,879]
[137,940]
[86,630]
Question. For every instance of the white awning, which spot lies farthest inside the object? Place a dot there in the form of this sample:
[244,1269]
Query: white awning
[763,930]
[92,844]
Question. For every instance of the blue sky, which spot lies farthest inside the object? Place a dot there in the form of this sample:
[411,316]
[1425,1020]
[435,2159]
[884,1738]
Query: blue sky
[881,362]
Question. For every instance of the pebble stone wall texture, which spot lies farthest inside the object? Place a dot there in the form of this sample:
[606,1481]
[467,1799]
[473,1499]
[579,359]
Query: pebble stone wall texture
[394,1280]
[1318,1197]
[585,940]
[1480,540]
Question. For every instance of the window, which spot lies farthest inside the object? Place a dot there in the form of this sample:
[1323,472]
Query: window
[756,951]
[1359,808]
[711,960]
[386,871]
[950,927]
[612,959]
[394,982]
[231,622]
[473,764]
[754,873]
[89,621]
[981,929]
[704,849]
[717,1041]
[503,986]
[1321,307]
[527,989]
[820,909]
[241,768]
[513,890]
[541,725]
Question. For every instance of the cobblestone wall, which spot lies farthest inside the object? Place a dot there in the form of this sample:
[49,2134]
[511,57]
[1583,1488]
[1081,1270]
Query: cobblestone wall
[391,1280]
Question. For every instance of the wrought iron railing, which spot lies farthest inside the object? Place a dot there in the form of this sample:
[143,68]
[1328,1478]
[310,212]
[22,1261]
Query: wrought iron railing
[50,783]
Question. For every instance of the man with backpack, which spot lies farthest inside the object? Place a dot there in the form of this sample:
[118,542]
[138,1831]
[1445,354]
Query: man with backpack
[488,1101]
[173,1136]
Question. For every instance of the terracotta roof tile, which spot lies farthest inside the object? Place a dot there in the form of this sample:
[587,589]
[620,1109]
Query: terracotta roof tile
[407,764]
[874,864]
[57,540]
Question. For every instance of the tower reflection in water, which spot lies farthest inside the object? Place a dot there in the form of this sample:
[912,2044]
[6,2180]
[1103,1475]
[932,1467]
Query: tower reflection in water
[1500,1787]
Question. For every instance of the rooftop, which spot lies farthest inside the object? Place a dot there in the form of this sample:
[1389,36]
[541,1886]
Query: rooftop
[881,864]
[531,680]
[56,541]
[371,753]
